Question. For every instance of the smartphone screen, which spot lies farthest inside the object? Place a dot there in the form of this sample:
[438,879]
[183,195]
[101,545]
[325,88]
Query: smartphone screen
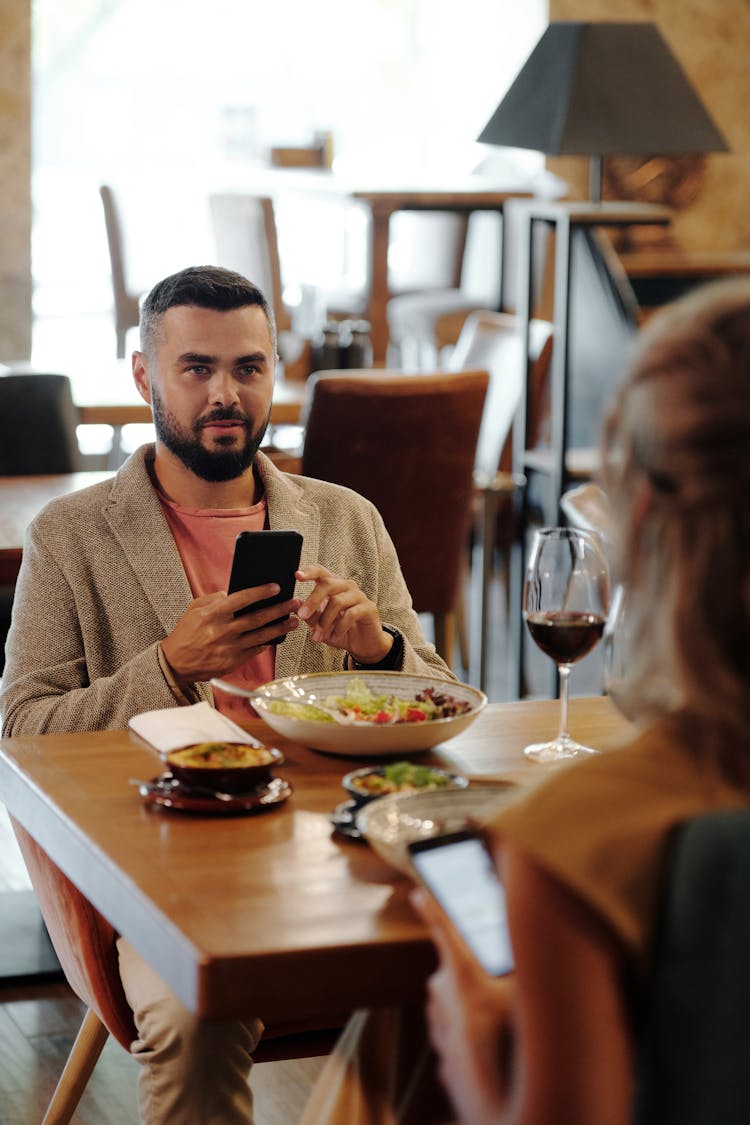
[266,556]
[458,870]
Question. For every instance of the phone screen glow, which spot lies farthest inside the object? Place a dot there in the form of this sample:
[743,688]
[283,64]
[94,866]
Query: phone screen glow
[462,878]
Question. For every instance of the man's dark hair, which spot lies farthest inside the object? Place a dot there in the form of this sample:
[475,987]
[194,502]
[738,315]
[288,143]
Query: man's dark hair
[206,287]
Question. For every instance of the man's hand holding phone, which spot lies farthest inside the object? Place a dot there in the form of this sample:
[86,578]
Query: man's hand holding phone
[219,632]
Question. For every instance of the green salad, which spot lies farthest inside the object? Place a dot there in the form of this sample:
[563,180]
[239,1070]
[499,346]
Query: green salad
[401,777]
[361,704]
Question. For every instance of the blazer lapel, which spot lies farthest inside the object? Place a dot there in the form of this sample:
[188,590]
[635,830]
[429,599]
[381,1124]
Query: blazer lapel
[288,508]
[134,514]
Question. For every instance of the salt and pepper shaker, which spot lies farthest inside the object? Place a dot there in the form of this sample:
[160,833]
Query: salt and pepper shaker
[325,355]
[360,348]
[343,344]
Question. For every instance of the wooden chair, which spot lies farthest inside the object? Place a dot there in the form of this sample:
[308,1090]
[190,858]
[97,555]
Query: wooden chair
[407,443]
[125,302]
[247,241]
[85,945]
[428,286]
[695,1037]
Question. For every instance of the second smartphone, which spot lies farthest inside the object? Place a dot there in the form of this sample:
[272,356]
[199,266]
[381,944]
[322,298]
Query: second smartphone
[458,871]
[266,556]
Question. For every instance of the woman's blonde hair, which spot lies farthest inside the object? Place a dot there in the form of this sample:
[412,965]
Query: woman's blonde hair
[677,472]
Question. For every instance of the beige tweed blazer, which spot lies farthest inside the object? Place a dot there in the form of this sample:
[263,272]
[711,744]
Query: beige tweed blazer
[102,583]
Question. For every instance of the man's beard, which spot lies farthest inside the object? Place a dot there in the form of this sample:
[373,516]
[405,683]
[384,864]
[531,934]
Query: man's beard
[208,464]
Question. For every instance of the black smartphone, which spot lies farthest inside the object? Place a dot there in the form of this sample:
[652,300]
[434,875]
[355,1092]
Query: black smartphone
[266,556]
[458,870]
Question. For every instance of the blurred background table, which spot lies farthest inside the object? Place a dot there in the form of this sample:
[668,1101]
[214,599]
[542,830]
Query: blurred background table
[383,200]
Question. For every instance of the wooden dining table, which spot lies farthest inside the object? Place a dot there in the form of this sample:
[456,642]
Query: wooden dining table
[270,913]
[21,498]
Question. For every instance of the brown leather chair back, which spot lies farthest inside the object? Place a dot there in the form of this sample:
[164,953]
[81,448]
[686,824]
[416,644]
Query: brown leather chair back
[83,940]
[407,443]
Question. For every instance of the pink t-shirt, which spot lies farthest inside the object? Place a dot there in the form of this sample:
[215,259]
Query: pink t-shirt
[205,539]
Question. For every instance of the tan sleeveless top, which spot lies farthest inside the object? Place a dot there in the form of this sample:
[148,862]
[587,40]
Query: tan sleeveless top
[601,826]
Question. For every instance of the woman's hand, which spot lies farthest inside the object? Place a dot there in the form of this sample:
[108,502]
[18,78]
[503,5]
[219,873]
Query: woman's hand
[469,1019]
[339,614]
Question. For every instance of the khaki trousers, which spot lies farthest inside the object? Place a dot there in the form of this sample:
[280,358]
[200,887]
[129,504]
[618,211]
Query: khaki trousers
[193,1071]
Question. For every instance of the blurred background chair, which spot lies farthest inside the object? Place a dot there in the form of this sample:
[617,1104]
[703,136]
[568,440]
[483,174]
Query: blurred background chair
[586,506]
[85,945]
[126,309]
[38,421]
[246,239]
[496,341]
[430,283]
[487,274]
[695,1040]
[407,443]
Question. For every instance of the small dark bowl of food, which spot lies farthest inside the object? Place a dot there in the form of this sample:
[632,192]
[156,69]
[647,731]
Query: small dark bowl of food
[398,777]
[225,767]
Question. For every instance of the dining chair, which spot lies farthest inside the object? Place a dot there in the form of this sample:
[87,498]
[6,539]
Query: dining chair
[408,444]
[126,306]
[694,1043]
[38,420]
[246,239]
[85,944]
[429,284]
[496,341]
[587,506]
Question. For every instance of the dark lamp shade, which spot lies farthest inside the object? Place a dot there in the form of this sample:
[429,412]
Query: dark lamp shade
[604,89]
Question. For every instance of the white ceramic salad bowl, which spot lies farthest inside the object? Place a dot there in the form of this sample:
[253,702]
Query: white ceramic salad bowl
[364,738]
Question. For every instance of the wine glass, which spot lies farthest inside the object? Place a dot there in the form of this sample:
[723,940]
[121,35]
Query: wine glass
[565,603]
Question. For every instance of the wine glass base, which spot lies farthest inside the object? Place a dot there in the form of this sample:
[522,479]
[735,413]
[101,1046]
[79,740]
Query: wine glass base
[558,750]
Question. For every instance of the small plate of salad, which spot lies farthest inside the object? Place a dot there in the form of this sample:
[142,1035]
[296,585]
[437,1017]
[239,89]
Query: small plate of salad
[383,713]
[398,777]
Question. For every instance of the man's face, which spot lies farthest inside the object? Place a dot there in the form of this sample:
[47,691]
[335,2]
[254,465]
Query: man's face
[209,377]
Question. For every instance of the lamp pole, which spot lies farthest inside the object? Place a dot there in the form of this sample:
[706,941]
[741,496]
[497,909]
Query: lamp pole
[595,179]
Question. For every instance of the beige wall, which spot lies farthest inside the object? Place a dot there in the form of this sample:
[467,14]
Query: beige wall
[15,179]
[710,38]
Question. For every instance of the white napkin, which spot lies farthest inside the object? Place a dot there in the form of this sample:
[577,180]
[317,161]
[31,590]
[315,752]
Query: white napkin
[173,727]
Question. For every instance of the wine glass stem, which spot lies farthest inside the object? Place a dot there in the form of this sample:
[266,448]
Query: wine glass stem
[563,672]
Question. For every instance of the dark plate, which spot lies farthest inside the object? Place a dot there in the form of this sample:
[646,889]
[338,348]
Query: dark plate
[167,792]
[343,820]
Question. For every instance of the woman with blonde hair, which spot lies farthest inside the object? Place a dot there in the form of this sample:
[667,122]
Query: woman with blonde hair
[583,856]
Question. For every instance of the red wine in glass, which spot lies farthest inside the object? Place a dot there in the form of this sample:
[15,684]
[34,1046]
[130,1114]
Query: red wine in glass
[566,637]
